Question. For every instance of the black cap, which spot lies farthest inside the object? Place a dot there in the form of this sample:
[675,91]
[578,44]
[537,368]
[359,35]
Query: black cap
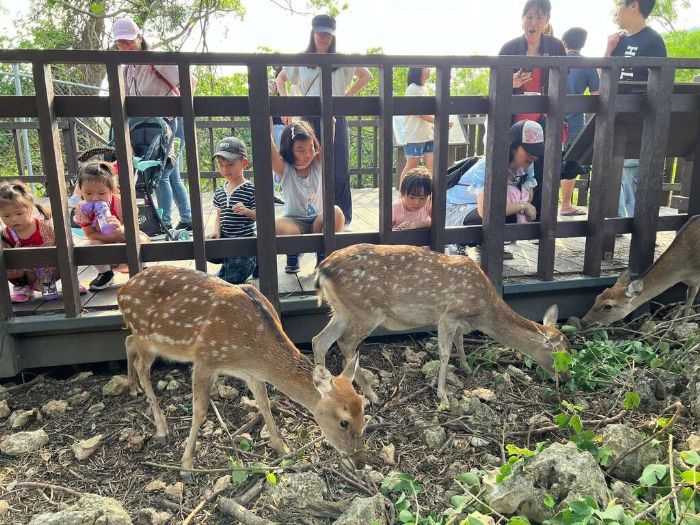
[323,24]
[529,135]
[231,148]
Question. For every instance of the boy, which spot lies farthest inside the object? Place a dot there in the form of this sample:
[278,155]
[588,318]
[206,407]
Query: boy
[412,209]
[235,208]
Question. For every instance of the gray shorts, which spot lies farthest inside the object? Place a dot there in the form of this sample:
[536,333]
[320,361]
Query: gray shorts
[456,214]
[305,224]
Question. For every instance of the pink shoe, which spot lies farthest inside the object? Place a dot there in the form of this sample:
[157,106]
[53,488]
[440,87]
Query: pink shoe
[82,289]
[22,294]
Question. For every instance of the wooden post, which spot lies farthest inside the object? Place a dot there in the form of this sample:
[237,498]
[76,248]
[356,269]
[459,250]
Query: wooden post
[693,173]
[386,100]
[440,163]
[328,166]
[611,184]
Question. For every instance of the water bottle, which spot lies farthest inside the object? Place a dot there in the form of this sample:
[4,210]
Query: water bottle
[101,211]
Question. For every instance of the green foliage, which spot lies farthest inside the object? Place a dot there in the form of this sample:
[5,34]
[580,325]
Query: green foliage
[683,44]
[570,419]
[632,400]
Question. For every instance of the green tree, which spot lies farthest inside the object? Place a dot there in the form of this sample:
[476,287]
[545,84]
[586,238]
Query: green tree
[683,44]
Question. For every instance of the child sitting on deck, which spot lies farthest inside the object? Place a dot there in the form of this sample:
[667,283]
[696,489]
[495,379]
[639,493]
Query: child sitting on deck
[24,230]
[235,208]
[412,209]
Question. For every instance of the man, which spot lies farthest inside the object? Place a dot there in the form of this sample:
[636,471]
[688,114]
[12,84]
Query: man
[578,81]
[636,40]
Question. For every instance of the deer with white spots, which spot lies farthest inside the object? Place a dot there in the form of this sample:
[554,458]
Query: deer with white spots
[680,263]
[191,317]
[403,287]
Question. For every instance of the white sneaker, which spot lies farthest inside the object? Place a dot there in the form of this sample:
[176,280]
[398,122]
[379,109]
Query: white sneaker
[346,228]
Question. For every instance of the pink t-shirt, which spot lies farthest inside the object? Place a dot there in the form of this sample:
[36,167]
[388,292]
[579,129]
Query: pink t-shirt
[152,81]
[399,214]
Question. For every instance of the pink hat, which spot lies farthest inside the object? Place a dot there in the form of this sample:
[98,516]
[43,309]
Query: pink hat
[125,29]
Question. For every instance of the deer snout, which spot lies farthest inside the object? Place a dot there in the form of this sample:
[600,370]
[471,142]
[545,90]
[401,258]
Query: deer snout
[359,458]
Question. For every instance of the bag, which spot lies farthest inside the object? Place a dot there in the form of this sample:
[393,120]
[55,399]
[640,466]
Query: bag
[458,169]
[148,220]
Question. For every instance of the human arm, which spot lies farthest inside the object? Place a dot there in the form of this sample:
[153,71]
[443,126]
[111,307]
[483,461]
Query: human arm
[363,78]
[613,42]
[512,208]
[216,234]
[277,160]
[240,209]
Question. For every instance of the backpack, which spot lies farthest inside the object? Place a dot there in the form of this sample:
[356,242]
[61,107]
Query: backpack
[458,169]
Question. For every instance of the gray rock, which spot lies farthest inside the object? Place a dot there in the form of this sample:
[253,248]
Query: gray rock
[90,509]
[482,414]
[432,368]
[150,516]
[55,407]
[24,442]
[685,330]
[694,392]
[620,438]
[562,471]
[116,386]
[4,409]
[622,492]
[363,511]
[435,437]
[296,490]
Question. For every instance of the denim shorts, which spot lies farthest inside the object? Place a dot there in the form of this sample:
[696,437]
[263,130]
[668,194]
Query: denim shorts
[417,149]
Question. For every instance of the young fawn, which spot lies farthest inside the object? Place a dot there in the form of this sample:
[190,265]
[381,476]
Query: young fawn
[189,316]
[402,287]
[680,263]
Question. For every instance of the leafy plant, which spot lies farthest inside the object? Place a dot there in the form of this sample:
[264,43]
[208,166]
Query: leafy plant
[587,440]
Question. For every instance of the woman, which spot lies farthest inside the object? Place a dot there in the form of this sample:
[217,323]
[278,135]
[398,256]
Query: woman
[306,81]
[418,128]
[534,42]
[156,81]
[465,200]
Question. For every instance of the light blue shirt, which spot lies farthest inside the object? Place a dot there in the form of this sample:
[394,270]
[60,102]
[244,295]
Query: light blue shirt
[472,183]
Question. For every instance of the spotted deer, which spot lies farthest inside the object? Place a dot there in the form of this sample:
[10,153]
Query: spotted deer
[680,263]
[402,287]
[189,316]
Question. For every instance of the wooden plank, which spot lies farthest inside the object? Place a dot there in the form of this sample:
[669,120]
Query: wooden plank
[612,183]
[552,172]
[657,119]
[327,138]
[602,154]
[56,183]
[442,130]
[193,179]
[693,173]
[386,95]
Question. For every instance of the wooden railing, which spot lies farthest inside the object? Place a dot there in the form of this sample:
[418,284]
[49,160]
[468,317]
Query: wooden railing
[656,107]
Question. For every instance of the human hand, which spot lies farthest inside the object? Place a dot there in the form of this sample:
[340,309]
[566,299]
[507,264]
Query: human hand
[214,235]
[530,211]
[520,78]
[286,120]
[239,208]
[405,225]
[613,40]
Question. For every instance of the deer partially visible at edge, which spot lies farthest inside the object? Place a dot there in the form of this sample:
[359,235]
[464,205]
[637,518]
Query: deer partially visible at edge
[680,263]
[189,316]
[403,287]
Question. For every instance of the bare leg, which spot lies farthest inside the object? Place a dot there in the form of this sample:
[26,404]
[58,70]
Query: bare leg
[459,343]
[143,369]
[259,390]
[132,356]
[348,346]
[428,160]
[202,380]
[690,298]
[324,340]
[411,162]
[446,336]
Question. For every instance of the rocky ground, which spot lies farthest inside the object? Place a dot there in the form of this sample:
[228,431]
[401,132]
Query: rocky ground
[75,446]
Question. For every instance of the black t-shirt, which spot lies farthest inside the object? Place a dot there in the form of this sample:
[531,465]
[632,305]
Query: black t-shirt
[646,43]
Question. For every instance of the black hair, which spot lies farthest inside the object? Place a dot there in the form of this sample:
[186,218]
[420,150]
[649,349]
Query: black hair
[18,193]
[311,47]
[300,130]
[512,149]
[145,44]
[415,76]
[417,182]
[645,6]
[575,38]
[98,171]
[540,6]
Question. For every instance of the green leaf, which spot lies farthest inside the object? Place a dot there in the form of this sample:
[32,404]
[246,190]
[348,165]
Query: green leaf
[244,445]
[652,474]
[604,455]
[631,400]
[469,478]
[612,513]
[568,328]
[581,508]
[518,520]
[691,477]
[459,500]
[662,422]
[576,424]
[406,516]
[562,361]
[239,476]
[549,501]
[562,420]
[271,478]
[691,457]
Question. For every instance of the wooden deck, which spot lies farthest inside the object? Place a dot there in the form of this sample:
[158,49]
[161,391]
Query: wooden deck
[523,266]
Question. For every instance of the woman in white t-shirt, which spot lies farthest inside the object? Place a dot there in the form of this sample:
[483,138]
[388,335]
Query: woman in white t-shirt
[418,128]
[306,81]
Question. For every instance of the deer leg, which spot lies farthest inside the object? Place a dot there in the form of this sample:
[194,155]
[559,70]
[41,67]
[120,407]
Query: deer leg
[143,368]
[202,379]
[446,336]
[690,298]
[132,356]
[459,343]
[348,346]
[324,340]
[259,390]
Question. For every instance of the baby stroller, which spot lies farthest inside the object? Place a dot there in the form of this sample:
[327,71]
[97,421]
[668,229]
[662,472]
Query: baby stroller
[153,154]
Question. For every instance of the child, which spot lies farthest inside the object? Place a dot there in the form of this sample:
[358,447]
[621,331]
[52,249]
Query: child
[235,208]
[412,210]
[519,189]
[297,166]
[97,182]
[22,229]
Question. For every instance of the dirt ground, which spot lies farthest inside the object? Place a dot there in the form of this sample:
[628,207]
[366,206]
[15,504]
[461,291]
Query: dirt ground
[127,461]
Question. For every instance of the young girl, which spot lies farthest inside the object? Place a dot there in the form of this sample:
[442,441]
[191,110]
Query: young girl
[97,182]
[412,210]
[297,167]
[418,128]
[22,229]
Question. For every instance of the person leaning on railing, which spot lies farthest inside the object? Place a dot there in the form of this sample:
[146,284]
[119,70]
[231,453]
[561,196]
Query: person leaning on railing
[157,81]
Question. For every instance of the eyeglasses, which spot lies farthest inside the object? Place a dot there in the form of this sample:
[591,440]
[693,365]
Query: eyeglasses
[125,42]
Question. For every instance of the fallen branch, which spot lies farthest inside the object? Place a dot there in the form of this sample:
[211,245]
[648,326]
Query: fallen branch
[553,428]
[316,509]
[194,512]
[23,386]
[170,505]
[654,505]
[236,510]
[35,485]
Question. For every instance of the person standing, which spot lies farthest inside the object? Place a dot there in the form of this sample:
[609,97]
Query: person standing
[577,82]
[157,81]
[636,39]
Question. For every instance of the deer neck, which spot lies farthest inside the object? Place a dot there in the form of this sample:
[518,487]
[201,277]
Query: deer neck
[657,279]
[509,328]
[294,379]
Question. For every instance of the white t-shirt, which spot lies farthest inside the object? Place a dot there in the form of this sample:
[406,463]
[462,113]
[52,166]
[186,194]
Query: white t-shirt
[307,80]
[142,80]
[417,129]
[303,197]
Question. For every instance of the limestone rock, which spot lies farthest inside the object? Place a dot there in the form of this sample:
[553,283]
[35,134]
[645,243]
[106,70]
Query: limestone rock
[432,368]
[4,508]
[227,392]
[80,376]
[388,454]
[20,418]
[79,397]
[150,516]
[94,409]
[481,414]
[24,442]
[363,511]
[90,509]
[692,443]
[86,448]
[116,386]
[221,484]
[296,490]
[435,437]
[174,492]
[562,471]
[173,385]
[620,438]
[55,407]
[155,486]
[694,392]
[685,330]
[484,394]
[4,409]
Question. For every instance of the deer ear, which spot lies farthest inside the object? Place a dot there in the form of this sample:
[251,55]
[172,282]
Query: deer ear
[551,316]
[634,289]
[323,380]
[351,368]
[623,279]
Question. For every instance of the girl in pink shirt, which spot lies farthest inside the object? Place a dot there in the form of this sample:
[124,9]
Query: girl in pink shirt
[412,209]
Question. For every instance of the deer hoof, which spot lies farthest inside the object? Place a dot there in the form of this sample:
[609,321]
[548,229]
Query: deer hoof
[280,447]
[161,439]
[187,477]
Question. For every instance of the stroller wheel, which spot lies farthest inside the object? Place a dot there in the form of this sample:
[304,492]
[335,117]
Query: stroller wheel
[180,235]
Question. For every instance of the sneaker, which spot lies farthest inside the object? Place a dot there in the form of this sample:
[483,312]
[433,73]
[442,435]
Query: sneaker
[81,289]
[292,264]
[507,256]
[184,226]
[22,294]
[49,291]
[102,281]
[346,227]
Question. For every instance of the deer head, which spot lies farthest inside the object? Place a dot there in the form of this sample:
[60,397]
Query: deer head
[615,302]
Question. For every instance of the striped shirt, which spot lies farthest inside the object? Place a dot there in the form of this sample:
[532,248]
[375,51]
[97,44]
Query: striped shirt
[235,224]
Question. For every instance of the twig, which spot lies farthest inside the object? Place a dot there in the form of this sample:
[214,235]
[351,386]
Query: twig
[239,512]
[167,504]
[35,485]
[23,386]
[194,512]
[676,505]
[221,421]
[654,505]
[552,428]
[622,456]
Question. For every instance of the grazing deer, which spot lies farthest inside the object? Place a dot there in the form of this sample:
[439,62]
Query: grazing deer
[402,287]
[680,263]
[189,316]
